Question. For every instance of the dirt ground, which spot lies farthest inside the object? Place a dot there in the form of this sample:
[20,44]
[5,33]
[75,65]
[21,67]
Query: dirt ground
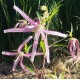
[6,73]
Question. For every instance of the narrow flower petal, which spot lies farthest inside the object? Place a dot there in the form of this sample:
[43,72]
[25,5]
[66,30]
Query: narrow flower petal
[24,15]
[47,47]
[74,48]
[9,53]
[16,62]
[73,53]
[38,53]
[29,54]
[78,54]
[26,41]
[78,48]
[55,33]
[37,34]
[22,65]
[25,29]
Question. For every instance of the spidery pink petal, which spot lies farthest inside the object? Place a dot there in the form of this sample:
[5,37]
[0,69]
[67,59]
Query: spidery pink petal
[36,38]
[24,15]
[26,41]
[55,33]
[47,47]
[25,29]
[9,53]
[22,65]
[16,62]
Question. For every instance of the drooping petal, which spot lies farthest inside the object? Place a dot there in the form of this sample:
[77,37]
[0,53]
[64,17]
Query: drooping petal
[73,46]
[47,47]
[78,54]
[78,48]
[25,29]
[26,41]
[24,15]
[72,53]
[22,65]
[55,33]
[37,34]
[16,62]
[9,53]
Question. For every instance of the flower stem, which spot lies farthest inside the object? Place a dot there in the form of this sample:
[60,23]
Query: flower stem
[43,67]
[36,71]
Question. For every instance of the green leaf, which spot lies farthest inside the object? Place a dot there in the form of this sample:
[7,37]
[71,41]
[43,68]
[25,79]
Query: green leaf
[30,69]
[59,45]
[71,32]
[29,10]
[54,12]
[61,76]
[38,15]
[42,46]
[27,48]
[71,28]
[5,10]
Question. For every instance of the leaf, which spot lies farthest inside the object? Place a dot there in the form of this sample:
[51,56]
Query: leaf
[39,16]
[54,12]
[27,48]
[43,46]
[59,45]
[30,11]
[71,28]
[71,32]
[5,10]
[30,69]
[61,76]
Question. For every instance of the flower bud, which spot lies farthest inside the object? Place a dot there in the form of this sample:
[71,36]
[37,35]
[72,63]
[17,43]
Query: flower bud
[43,8]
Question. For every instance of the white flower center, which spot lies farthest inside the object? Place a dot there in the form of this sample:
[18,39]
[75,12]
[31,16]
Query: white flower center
[30,26]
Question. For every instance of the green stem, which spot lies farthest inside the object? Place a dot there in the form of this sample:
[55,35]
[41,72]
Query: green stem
[43,67]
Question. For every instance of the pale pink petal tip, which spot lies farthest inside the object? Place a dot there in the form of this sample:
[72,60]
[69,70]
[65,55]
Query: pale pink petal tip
[5,31]
[14,6]
[3,52]
[13,69]
[32,59]
[48,60]
[24,15]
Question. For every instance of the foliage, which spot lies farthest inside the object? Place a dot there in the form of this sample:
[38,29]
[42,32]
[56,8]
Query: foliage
[69,15]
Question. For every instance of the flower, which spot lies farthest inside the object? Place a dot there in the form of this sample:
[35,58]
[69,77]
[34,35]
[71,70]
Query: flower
[19,58]
[39,28]
[20,54]
[73,46]
[27,28]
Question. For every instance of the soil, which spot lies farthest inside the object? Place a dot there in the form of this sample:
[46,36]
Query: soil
[7,73]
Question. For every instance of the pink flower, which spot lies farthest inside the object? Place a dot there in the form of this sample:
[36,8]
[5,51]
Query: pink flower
[19,58]
[20,55]
[27,28]
[39,28]
[74,48]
